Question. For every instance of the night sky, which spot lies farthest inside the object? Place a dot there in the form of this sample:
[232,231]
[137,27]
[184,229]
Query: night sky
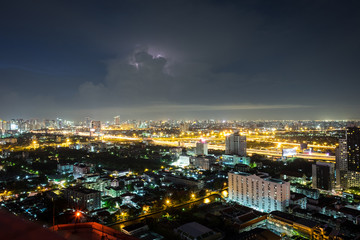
[180,59]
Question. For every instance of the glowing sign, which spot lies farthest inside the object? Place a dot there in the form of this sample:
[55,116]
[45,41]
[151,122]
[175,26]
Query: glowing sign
[288,152]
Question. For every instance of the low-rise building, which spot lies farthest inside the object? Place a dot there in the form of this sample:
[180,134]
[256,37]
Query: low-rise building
[298,199]
[234,159]
[83,198]
[89,230]
[65,168]
[135,229]
[326,233]
[291,224]
[100,184]
[308,192]
[81,169]
[259,233]
[185,181]
[196,231]
[204,162]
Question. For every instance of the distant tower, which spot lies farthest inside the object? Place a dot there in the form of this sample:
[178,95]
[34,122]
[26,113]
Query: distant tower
[341,164]
[96,125]
[88,122]
[235,144]
[117,120]
[184,127]
[341,155]
[201,148]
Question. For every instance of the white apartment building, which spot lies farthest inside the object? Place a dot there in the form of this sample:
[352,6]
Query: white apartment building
[258,191]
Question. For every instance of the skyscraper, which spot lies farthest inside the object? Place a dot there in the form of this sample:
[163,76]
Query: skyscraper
[353,147]
[117,120]
[235,144]
[341,164]
[341,155]
[88,122]
[201,148]
[96,125]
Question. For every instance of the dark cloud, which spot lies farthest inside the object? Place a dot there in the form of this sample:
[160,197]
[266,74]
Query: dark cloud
[184,59]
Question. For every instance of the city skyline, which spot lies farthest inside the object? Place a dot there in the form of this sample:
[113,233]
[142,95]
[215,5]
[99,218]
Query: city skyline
[180,60]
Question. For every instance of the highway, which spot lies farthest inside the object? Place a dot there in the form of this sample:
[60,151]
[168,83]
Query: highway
[313,156]
[190,142]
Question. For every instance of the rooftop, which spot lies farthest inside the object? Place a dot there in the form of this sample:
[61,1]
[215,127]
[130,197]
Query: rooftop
[82,190]
[194,229]
[133,227]
[15,228]
[90,230]
[293,219]
[242,173]
[275,180]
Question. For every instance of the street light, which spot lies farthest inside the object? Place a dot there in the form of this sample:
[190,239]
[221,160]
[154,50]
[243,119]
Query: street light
[77,216]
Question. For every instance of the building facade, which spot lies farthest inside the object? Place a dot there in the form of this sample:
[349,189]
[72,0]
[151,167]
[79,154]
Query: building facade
[83,198]
[353,147]
[117,120]
[341,164]
[201,148]
[258,191]
[204,162]
[234,159]
[235,144]
[96,125]
[323,176]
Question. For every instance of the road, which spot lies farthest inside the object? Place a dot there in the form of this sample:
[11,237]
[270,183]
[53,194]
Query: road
[313,156]
[191,142]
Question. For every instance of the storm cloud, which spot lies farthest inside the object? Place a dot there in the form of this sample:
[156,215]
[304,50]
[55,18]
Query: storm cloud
[180,59]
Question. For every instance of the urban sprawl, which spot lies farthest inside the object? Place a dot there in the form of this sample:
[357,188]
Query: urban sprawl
[172,179]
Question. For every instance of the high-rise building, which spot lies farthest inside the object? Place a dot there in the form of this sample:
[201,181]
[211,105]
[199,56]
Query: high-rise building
[341,164]
[87,122]
[6,125]
[323,176]
[353,148]
[235,144]
[117,120]
[259,191]
[341,155]
[353,179]
[59,123]
[96,125]
[184,127]
[201,148]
